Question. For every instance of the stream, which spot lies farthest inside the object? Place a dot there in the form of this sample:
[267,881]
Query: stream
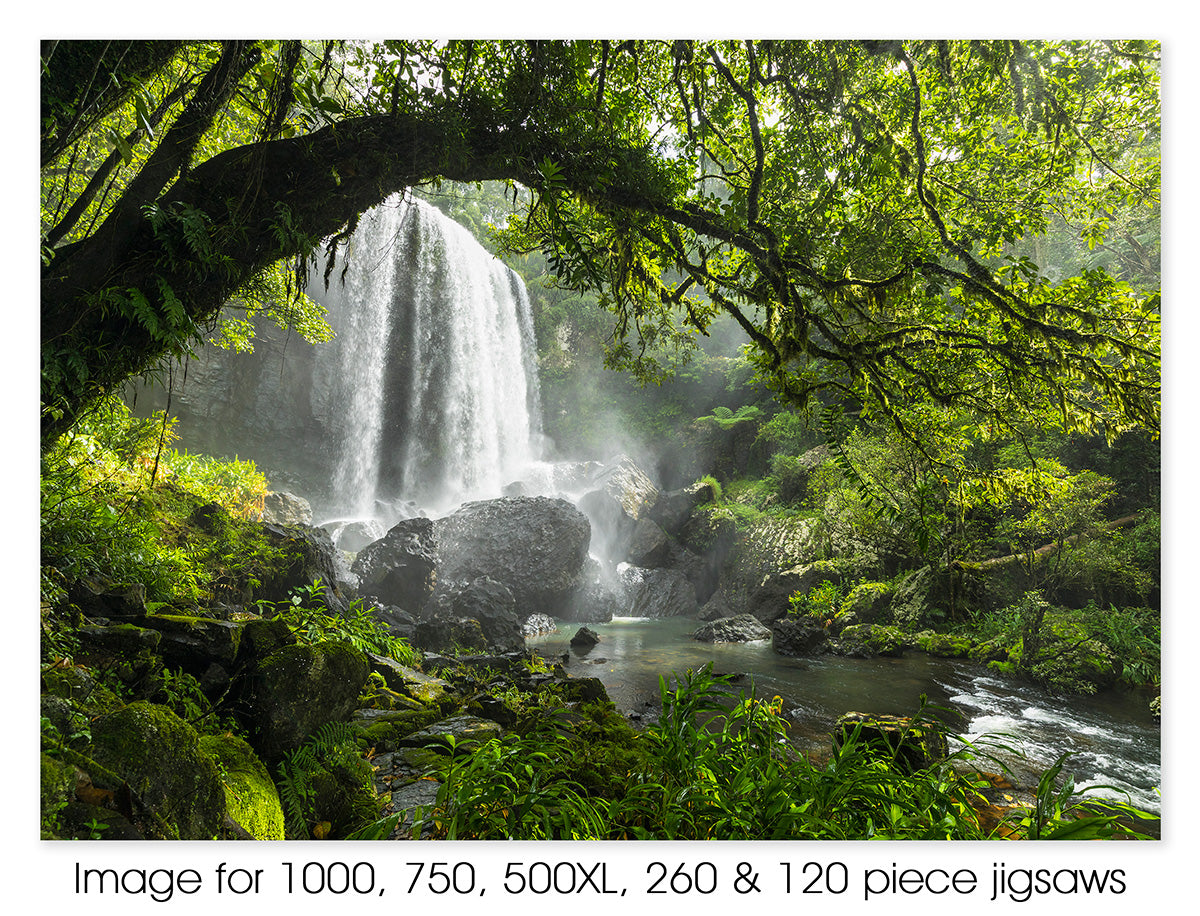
[1112,737]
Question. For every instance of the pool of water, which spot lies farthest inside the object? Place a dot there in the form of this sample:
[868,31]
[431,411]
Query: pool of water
[1112,737]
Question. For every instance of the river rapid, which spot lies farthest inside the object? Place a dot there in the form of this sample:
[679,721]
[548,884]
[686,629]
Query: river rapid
[1113,738]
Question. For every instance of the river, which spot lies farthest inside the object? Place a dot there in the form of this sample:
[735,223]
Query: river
[1113,739]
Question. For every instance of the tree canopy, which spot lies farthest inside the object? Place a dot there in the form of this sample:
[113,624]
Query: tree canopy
[968,223]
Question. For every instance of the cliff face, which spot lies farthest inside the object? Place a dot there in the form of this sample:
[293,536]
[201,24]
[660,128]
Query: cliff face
[271,406]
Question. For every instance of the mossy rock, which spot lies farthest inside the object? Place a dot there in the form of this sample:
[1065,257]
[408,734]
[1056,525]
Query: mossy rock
[195,642]
[80,686]
[870,602]
[262,636]
[384,730]
[251,800]
[58,787]
[121,639]
[988,652]
[299,688]
[157,755]
[408,681]
[875,639]
[909,746]
[943,645]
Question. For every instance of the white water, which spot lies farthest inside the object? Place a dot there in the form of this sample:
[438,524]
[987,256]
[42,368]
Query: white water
[432,375]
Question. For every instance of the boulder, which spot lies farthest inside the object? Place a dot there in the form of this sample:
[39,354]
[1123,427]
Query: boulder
[674,508]
[534,545]
[597,600]
[490,603]
[251,799]
[703,571]
[739,628]
[400,569]
[175,787]
[794,636]
[649,545]
[869,602]
[194,643]
[716,607]
[664,593]
[866,640]
[620,495]
[584,639]
[538,625]
[446,633]
[299,688]
[99,597]
[408,681]
[310,556]
[399,622]
[284,508]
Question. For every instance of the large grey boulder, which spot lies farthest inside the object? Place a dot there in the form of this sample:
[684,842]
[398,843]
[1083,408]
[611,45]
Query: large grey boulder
[739,628]
[664,593]
[400,569]
[490,603]
[534,545]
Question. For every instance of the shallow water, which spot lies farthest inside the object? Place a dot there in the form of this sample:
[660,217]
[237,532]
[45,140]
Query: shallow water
[1113,739]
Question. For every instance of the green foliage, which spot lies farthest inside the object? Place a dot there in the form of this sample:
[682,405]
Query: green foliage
[717,765]
[970,224]
[726,418]
[312,621]
[325,786]
[118,503]
[1060,812]
[822,602]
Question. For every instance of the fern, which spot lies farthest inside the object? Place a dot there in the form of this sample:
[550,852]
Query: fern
[297,770]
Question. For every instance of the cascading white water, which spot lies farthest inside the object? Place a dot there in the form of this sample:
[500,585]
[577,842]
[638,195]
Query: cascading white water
[434,396]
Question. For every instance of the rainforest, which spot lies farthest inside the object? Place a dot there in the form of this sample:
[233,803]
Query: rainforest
[600,439]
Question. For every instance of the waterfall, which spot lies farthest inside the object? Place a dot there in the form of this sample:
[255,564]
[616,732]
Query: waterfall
[432,386]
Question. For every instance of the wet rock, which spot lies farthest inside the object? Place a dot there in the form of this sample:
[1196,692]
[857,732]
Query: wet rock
[620,495]
[649,545]
[674,508]
[491,604]
[400,568]
[584,639]
[739,628]
[538,625]
[299,688]
[664,593]
[793,636]
[535,546]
